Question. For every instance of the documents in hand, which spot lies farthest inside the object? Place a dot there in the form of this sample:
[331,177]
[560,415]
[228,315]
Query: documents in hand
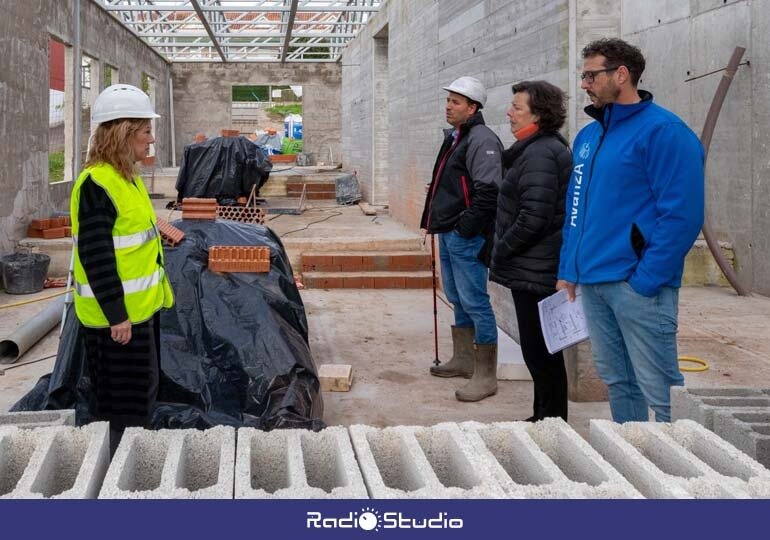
[562,321]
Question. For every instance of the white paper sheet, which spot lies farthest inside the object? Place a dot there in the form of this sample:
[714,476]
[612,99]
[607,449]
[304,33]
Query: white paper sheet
[562,321]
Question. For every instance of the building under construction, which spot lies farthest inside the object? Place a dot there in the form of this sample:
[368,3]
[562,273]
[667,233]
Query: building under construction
[288,174]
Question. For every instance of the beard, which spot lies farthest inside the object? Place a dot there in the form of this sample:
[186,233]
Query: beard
[608,94]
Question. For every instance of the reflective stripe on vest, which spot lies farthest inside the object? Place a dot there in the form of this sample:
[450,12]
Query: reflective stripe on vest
[129,287]
[130,240]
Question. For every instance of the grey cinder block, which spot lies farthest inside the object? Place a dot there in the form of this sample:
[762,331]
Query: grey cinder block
[172,464]
[414,462]
[699,404]
[547,459]
[749,431]
[297,464]
[681,460]
[739,468]
[33,419]
[55,462]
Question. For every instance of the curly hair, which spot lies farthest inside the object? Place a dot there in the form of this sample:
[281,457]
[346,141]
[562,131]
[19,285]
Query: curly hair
[110,144]
[547,101]
[618,53]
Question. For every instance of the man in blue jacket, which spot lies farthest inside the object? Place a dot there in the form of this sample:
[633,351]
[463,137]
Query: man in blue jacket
[634,209]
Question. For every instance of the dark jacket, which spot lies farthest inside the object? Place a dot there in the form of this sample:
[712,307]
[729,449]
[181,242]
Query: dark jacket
[463,190]
[530,213]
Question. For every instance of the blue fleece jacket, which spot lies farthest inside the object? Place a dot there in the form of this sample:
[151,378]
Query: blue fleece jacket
[635,198]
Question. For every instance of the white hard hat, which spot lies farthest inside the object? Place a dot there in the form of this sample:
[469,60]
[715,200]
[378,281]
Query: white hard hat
[469,87]
[121,101]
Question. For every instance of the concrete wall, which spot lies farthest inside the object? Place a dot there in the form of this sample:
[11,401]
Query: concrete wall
[25,29]
[203,94]
[686,39]
[429,43]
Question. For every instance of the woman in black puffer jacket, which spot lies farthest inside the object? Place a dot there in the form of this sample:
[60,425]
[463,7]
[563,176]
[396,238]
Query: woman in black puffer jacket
[528,229]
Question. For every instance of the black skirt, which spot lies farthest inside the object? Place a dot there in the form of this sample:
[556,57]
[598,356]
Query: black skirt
[125,377]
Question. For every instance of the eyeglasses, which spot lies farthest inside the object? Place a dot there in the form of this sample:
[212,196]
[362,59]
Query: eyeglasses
[590,76]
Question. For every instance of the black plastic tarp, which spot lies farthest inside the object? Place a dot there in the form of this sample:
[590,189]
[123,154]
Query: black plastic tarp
[222,168]
[234,348]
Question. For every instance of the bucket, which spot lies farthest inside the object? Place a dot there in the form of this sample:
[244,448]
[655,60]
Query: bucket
[24,273]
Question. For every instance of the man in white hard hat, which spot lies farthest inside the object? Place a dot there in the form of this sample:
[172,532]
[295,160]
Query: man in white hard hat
[460,208]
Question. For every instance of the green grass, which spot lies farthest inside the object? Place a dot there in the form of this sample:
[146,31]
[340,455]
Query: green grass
[291,146]
[56,166]
[283,110]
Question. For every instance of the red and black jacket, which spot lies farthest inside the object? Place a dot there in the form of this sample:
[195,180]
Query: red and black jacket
[463,189]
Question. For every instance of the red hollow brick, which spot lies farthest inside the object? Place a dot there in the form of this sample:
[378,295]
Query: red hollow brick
[239,259]
[57,232]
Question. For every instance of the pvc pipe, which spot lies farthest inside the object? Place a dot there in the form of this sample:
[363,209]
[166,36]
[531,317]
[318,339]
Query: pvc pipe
[13,347]
[706,135]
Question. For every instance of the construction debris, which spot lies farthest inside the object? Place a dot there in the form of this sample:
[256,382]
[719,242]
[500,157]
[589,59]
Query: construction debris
[367,209]
[335,377]
[171,236]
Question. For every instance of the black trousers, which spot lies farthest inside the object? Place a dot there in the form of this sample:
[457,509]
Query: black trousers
[125,378]
[547,370]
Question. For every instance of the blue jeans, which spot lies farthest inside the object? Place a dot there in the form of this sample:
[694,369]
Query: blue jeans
[634,346]
[464,278]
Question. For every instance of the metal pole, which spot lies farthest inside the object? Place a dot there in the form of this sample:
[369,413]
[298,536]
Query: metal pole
[77,112]
[436,361]
[171,117]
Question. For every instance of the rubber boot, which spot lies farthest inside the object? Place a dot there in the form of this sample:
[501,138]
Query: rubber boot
[461,363]
[484,381]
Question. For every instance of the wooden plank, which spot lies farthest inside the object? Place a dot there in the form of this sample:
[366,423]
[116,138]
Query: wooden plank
[335,377]
[367,209]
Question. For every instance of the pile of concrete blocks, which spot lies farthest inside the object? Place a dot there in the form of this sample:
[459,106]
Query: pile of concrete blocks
[59,462]
[409,462]
[700,404]
[35,419]
[680,460]
[546,460]
[741,416]
[749,431]
[172,464]
[297,464]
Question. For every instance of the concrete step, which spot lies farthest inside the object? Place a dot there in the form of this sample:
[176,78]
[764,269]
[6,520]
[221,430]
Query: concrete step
[700,267]
[357,261]
[367,280]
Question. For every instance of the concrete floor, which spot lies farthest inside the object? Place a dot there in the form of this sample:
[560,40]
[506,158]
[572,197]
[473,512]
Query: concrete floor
[386,335]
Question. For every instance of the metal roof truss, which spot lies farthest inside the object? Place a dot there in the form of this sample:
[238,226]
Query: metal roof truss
[240,31]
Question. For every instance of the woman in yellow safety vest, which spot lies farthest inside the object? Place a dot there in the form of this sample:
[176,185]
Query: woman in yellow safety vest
[120,283]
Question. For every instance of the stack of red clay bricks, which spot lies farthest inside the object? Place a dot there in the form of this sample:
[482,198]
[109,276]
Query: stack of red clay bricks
[171,235]
[314,190]
[53,227]
[366,270]
[231,133]
[194,208]
[239,259]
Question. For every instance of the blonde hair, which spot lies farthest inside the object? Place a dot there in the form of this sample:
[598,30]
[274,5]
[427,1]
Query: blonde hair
[110,144]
